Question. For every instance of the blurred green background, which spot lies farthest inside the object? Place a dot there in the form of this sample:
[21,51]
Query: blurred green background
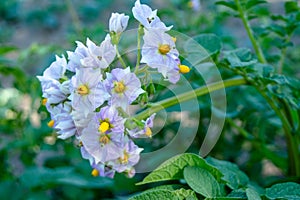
[36,165]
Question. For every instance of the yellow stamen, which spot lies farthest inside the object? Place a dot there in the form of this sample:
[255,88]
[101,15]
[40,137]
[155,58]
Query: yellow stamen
[51,123]
[104,139]
[174,39]
[83,90]
[148,132]
[184,69]
[124,159]
[164,49]
[119,87]
[44,101]
[104,126]
[95,172]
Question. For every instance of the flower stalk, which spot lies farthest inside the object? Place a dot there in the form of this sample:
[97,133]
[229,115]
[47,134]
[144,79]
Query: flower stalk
[155,107]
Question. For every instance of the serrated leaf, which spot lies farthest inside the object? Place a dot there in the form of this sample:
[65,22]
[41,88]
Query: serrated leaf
[201,181]
[252,194]
[289,190]
[241,57]
[229,4]
[172,169]
[234,177]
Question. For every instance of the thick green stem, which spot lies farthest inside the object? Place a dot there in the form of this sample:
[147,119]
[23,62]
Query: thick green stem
[292,143]
[247,26]
[188,96]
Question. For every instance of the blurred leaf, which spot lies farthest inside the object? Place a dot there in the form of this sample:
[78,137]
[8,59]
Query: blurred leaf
[234,177]
[241,57]
[209,42]
[202,47]
[252,3]
[201,181]
[172,169]
[229,4]
[7,49]
[291,6]
[46,177]
[252,194]
[156,194]
[287,190]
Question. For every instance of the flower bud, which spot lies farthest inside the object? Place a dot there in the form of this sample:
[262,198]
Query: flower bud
[118,23]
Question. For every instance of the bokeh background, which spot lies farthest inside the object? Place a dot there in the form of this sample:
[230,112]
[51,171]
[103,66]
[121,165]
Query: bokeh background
[36,165]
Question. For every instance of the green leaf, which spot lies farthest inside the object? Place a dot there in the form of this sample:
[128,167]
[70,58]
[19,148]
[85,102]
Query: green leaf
[234,177]
[201,181]
[291,6]
[167,192]
[252,194]
[252,3]
[241,57]
[186,194]
[46,177]
[287,190]
[156,194]
[172,169]
[7,49]
[210,42]
[229,4]
[202,47]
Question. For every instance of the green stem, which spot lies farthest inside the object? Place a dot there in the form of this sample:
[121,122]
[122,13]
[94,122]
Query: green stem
[74,16]
[255,44]
[292,143]
[188,96]
[138,57]
[241,130]
[120,57]
[283,55]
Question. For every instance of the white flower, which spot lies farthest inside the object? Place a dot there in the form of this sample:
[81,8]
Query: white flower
[91,55]
[147,17]
[159,52]
[118,22]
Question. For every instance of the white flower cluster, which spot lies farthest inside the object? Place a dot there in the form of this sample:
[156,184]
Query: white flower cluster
[87,97]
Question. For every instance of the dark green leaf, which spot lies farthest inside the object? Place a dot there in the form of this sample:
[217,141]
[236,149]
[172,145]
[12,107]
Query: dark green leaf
[252,194]
[166,192]
[201,181]
[229,4]
[234,177]
[172,169]
[202,47]
[7,49]
[287,190]
[252,3]
[291,6]
[241,57]
[156,194]
[46,177]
